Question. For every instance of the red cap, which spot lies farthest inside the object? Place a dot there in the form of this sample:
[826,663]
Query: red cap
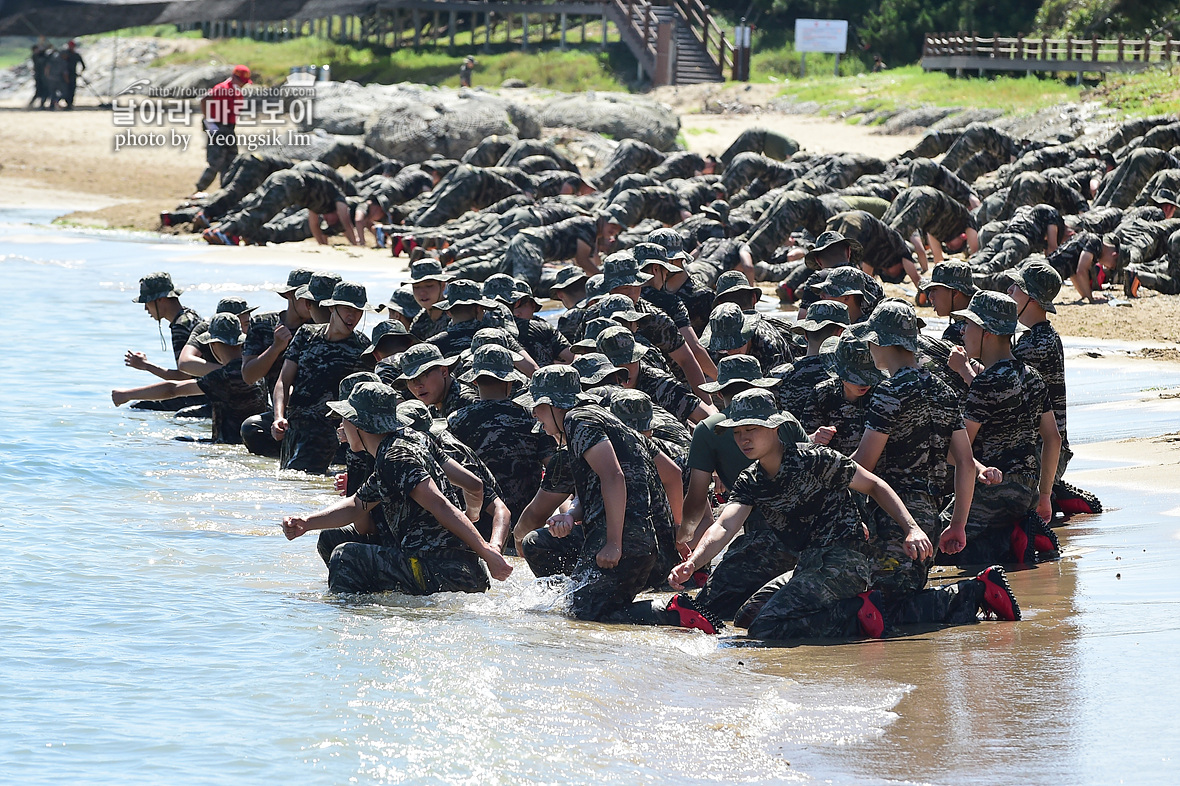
[243,73]
[72,44]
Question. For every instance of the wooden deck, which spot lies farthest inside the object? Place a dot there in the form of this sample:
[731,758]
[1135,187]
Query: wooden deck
[962,52]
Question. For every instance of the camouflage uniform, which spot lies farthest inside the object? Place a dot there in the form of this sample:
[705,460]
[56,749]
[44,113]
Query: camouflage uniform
[667,391]
[247,173]
[918,413]
[1122,184]
[467,188]
[181,329]
[927,210]
[1040,349]
[417,555]
[799,382]
[827,406]
[531,248]
[1065,259]
[1007,400]
[1002,252]
[310,443]
[678,165]
[279,191]
[771,144]
[881,246]
[541,340]
[808,505]
[606,595]
[924,172]
[977,139]
[630,156]
[504,436]
[489,150]
[231,401]
[359,156]
[790,212]
[1033,188]
[649,202]
[749,168]
[934,143]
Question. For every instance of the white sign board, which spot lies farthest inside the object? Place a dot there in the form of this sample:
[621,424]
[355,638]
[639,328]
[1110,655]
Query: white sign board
[821,35]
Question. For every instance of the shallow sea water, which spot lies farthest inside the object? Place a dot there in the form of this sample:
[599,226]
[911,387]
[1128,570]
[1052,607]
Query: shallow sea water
[159,629]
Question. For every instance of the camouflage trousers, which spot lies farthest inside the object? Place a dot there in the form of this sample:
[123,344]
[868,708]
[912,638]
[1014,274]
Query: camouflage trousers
[329,539]
[363,567]
[261,206]
[995,510]
[231,402]
[550,556]
[895,573]
[978,165]
[246,174]
[1123,183]
[754,558]
[360,157]
[801,605]
[1162,275]
[310,444]
[289,229]
[256,435]
[951,604]
[218,159]
[525,258]
[934,143]
[1003,252]
[973,141]
[629,157]
[742,169]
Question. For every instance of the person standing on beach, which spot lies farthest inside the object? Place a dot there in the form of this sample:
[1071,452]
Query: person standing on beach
[72,60]
[221,116]
[466,70]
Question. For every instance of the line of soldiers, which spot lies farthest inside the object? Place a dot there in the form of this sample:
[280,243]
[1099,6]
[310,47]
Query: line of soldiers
[620,449]
[55,75]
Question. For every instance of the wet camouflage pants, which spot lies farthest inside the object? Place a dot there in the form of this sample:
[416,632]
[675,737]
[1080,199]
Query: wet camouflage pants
[895,573]
[231,402]
[329,539]
[310,443]
[247,174]
[362,567]
[261,206]
[801,606]
[752,559]
[218,159]
[257,438]
[995,510]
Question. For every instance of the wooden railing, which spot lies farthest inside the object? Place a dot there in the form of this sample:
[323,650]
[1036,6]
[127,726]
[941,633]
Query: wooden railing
[1044,51]
[705,29]
[641,22]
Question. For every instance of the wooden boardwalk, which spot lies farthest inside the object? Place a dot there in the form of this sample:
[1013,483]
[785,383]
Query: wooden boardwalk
[961,52]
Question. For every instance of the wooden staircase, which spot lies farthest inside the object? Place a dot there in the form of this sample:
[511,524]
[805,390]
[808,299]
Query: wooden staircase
[696,47]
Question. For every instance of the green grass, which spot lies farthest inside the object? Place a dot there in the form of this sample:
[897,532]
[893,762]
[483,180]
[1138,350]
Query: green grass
[910,86]
[1149,93]
[582,67]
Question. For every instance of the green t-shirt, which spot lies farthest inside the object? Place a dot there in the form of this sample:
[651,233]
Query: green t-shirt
[874,205]
[713,451]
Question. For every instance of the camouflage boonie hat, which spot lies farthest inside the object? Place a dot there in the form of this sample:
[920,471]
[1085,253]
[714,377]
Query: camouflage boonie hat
[493,336]
[671,240]
[753,408]
[894,323]
[233,305]
[416,415]
[853,362]
[390,328]
[1039,281]
[155,286]
[492,360]
[992,311]
[428,269]
[567,276]
[556,385]
[619,345]
[620,307]
[845,280]
[594,368]
[1165,196]
[622,270]
[653,254]
[352,380]
[822,314]
[348,293]
[500,287]
[718,210]
[402,302]
[634,408]
[594,289]
[320,287]
[371,407]
[463,292]
[295,279]
[591,332]
[829,239]
[525,292]
[739,369]
[729,328]
[420,358]
[951,274]
[733,284]
[827,353]
[224,328]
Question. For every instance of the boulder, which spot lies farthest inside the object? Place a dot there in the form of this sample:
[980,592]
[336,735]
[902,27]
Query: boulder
[616,115]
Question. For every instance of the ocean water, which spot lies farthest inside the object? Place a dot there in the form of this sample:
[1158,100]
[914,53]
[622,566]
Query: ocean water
[159,629]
